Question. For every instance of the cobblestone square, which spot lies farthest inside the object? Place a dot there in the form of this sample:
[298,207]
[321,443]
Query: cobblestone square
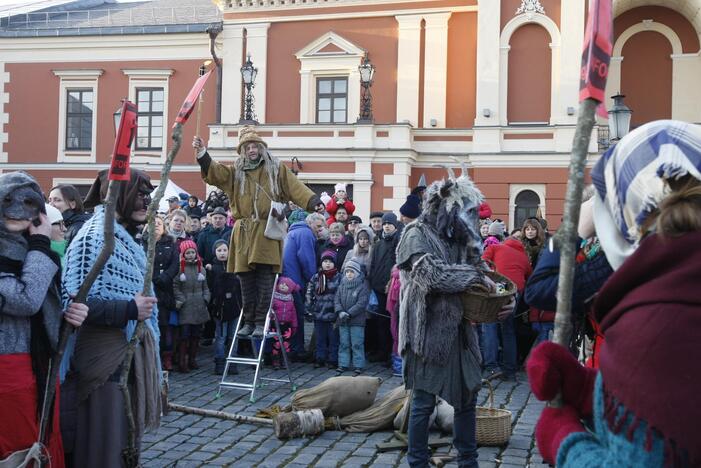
[187,440]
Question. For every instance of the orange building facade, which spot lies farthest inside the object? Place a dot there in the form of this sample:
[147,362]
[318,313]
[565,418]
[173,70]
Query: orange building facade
[489,83]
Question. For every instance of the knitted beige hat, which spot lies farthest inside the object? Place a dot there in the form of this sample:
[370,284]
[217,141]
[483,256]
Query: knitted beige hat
[247,135]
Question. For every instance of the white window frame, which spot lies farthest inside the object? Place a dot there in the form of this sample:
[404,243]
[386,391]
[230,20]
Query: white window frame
[515,189]
[76,79]
[150,78]
[317,64]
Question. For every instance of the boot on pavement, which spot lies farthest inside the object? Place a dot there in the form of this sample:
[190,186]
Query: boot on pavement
[192,353]
[167,361]
[219,366]
[182,357]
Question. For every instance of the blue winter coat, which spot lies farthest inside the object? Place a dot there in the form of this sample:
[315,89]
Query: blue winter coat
[589,276]
[299,254]
[322,306]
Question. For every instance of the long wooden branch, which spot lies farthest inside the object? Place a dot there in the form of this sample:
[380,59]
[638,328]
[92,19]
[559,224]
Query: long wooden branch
[81,297]
[131,455]
[220,414]
[567,234]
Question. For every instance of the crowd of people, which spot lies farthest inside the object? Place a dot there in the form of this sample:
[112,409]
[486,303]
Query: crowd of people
[380,290]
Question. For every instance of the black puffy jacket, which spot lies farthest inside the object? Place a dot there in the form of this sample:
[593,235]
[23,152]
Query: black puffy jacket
[384,257]
[165,267]
[73,221]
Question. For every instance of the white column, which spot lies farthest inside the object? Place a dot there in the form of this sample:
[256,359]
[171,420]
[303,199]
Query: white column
[362,188]
[571,36]
[232,58]
[488,35]
[435,68]
[257,47]
[408,63]
[686,94]
[306,106]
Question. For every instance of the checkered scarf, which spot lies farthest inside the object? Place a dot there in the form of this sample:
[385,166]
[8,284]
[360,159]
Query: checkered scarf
[629,180]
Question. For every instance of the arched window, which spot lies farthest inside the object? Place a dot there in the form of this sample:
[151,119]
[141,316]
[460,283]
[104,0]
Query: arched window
[529,83]
[527,203]
[647,65]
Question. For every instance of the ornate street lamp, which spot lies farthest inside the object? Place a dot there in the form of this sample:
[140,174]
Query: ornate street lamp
[619,118]
[248,74]
[367,73]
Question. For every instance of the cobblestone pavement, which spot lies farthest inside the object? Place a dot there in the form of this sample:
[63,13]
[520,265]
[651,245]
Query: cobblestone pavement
[187,440]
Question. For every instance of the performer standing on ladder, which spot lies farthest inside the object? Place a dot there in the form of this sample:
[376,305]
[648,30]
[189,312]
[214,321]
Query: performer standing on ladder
[252,183]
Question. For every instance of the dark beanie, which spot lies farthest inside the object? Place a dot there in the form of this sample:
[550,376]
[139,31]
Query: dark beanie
[217,243]
[412,207]
[390,218]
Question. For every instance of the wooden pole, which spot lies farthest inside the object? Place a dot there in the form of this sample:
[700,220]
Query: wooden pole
[131,453]
[567,234]
[220,414]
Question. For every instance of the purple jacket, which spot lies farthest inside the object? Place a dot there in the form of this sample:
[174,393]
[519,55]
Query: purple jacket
[299,254]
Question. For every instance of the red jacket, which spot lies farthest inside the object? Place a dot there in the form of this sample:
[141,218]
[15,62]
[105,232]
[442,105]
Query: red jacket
[510,260]
[333,205]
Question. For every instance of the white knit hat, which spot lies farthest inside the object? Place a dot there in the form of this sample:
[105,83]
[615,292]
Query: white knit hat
[339,186]
[53,214]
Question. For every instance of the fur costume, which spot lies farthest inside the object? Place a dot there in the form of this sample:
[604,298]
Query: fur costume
[448,228]
[438,257]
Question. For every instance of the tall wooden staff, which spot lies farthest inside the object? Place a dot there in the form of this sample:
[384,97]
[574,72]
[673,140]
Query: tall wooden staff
[119,172]
[131,453]
[594,71]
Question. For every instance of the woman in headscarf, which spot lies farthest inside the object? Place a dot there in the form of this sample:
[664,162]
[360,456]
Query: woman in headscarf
[30,317]
[96,432]
[647,214]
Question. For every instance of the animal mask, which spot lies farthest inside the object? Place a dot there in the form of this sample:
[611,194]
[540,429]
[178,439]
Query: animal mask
[21,199]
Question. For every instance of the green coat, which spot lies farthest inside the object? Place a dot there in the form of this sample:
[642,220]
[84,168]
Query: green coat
[248,245]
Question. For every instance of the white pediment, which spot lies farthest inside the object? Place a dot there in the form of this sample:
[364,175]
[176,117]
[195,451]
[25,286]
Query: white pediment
[330,44]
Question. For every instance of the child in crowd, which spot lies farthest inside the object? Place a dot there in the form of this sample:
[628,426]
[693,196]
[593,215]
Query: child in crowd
[495,233]
[362,247]
[393,310]
[351,300]
[340,198]
[338,243]
[320,305]
[286,313]
[225,305]
[191,298]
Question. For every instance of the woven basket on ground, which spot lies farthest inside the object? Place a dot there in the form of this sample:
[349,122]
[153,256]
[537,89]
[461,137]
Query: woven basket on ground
[482,306]
[493,424]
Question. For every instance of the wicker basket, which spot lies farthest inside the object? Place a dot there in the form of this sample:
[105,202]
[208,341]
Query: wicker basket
[493,424]
[481,306]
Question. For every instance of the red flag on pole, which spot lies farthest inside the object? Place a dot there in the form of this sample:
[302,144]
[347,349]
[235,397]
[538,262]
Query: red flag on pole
[598,46]
[191,98]
[119,169]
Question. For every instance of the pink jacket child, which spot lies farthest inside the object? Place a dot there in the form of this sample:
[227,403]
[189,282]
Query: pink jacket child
[283,302]
[393,306]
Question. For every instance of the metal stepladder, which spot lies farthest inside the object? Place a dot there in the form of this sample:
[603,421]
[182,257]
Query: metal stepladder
[232,358]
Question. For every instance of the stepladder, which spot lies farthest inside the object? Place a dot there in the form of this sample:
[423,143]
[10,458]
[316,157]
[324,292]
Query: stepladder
[271,331]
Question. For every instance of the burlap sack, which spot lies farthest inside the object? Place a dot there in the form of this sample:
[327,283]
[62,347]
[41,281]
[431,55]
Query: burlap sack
[400,416]
[338,396]
[379,416]
[444,416]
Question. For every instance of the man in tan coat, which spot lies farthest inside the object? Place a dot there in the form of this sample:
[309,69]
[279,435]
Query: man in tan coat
[254,181]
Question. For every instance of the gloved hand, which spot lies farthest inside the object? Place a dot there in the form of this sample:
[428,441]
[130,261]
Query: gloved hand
[553,426]
[344,316]
[308,316]
[552,369]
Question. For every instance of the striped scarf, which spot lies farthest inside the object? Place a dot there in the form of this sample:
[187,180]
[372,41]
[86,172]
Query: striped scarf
[629,180]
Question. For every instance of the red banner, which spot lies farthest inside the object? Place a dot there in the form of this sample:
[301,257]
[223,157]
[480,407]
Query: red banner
[119,169]
[191,98]
[598,46]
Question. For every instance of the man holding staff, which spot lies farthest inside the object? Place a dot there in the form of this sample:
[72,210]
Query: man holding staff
[252,183]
